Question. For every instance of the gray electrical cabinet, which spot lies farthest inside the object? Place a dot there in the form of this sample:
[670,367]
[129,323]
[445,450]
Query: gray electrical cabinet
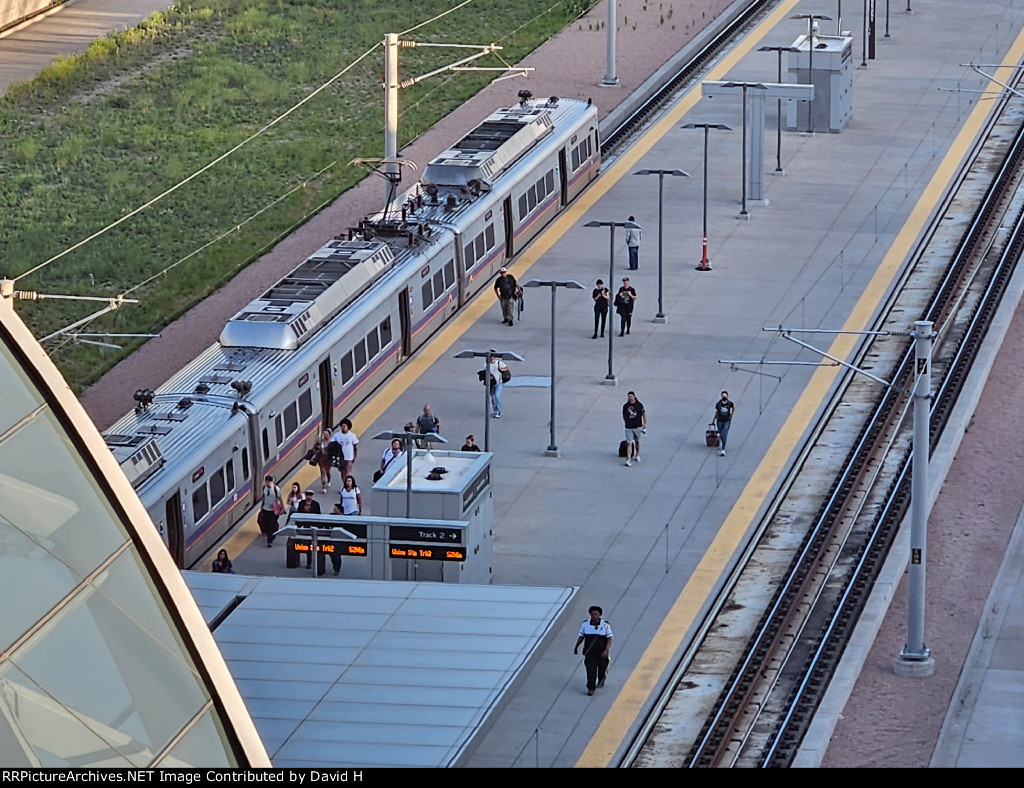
[446,485]
[832,64]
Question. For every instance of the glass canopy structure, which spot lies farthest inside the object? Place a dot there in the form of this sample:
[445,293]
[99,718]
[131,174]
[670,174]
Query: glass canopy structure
[105,660]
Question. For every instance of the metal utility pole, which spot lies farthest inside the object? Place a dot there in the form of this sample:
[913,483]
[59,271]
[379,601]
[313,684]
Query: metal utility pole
[915,660]
[391,170]
[611,79]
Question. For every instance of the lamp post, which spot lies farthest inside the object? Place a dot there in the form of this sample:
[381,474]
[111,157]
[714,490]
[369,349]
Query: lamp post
[408,441]
[810,60]
[572,284]
[487,355]
[704,242]
[886,18]
[745,86]
[778,138]
[864,38]
[660,317]
[609,379]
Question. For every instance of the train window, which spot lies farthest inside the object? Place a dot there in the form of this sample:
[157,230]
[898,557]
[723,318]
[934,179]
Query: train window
[439,283]
[385,332]
[372,345]
[278,430]
[291,418]
[523,210]
[200,505]
[480,248]
[449,274]
[347,371]
[549,181]
[428,294]
[541,191]
[245,463]
[360,351]
[575,159]
[217,487]
[266,445]
[305,406]
[470,258]
[229,471]
[489,236]
[531,197]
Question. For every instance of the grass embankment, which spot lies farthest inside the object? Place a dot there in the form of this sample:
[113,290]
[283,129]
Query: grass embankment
[97,135]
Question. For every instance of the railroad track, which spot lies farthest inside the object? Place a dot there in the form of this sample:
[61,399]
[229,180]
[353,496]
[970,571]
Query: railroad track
[829,529]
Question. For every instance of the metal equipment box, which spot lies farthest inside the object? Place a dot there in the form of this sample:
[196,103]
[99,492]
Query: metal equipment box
[461,493]
[832,64]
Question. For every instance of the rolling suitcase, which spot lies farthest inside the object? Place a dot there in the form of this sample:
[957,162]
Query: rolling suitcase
[711,436]
[622,448]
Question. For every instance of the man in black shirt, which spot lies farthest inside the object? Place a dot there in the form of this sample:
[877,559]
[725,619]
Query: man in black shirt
[635,419]
[723,418]
[601,297]
[507,290]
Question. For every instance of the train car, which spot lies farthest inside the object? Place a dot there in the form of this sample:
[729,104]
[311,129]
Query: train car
[314,346]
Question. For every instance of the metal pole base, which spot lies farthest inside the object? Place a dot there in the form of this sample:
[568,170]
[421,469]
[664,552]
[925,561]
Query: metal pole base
[660,318]
[609,83]
[780,172]
[552,451]
[704,266]
[909,668]
[743,215]
[609,380]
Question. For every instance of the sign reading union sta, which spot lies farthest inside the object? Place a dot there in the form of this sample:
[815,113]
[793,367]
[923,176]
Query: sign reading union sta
[428,553]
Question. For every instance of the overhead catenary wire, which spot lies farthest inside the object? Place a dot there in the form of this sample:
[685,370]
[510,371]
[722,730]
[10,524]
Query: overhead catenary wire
[262,130]
[62,333]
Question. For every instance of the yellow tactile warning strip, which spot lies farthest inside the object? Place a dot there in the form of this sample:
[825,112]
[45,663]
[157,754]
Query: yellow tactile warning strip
[642,682]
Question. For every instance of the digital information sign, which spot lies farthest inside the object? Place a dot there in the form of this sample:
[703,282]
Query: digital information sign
[330,548]
[420,552]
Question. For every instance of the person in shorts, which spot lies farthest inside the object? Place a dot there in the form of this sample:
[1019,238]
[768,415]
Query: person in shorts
[634,418]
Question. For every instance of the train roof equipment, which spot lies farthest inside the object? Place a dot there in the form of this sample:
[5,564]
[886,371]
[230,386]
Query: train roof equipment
[296,306]
[492,147]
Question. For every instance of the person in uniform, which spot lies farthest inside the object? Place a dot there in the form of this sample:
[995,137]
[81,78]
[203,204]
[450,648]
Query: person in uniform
[596,639]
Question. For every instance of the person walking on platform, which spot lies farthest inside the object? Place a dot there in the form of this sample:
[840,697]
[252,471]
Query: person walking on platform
[271,507]
[723,418]
[633,245]
[596,639]
[601,297]
[349,443]
[625,301]
[426,424]
[507,290]
[635,418]
[308,505]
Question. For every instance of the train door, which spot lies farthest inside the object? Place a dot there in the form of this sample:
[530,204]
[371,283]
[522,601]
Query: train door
[175,532]
[405,320]
[563,176]
[326,393]
[507,213]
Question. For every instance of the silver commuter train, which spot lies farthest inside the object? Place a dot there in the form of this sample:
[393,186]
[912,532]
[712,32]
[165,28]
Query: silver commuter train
[314,346]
